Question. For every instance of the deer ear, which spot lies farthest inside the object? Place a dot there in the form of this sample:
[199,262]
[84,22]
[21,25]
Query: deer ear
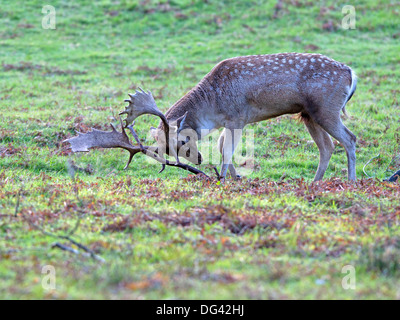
[181,122]
[153,132]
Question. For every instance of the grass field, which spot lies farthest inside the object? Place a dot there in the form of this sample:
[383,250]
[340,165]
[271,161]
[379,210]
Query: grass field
[273,235]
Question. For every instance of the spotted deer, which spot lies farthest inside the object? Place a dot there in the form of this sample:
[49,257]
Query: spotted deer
[249,89]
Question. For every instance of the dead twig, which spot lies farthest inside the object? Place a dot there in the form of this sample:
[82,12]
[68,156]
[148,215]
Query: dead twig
[368,162]
[17,203]
[163,161]
[68,238]
[217,173]
[65,248]
[72,250]
[391,161]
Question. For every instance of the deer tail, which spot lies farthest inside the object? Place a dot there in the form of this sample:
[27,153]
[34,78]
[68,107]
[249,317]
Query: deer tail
[353,87]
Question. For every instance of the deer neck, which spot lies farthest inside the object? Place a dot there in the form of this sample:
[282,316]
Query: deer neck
[199,104]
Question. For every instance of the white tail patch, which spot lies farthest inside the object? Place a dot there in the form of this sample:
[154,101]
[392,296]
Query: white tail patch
[353,83]
[351,91]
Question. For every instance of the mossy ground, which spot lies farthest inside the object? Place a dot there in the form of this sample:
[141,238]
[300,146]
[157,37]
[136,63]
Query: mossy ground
[275,234]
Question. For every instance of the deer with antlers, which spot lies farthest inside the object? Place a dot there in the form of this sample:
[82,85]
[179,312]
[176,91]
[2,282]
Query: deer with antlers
[237,92]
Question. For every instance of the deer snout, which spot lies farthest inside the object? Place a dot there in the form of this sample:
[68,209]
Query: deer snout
[199,157]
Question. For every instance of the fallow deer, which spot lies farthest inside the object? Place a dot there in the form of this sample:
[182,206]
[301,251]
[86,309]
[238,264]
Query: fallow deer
[249,89]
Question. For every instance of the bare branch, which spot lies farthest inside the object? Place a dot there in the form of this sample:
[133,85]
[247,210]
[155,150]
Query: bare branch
[217,173]
[368,162]
[65,248]
[17,203]
[72,250]
[53,235]
[163,161]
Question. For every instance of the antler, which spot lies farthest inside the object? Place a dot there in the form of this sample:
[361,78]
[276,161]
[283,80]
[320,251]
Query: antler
[103,139]
[114,139]
[139,103]
[143,103]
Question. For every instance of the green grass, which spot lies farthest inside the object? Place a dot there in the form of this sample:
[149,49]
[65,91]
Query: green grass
[275,234]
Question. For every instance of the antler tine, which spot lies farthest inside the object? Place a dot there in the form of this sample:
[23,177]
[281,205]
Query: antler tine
[113,127]
[121,122]
[141,103]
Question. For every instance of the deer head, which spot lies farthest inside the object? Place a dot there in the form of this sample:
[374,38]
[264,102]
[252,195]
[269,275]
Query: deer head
[167,135]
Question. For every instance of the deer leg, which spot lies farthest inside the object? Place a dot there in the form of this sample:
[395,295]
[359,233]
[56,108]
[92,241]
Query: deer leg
[233,172]
[334,126]
[324,144]
[221,141]
[227,147]
[231,167]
